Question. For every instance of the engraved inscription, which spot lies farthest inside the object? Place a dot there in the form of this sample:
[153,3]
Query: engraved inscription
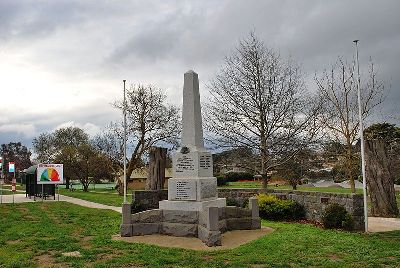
[184,163]
[184,190]
[205,161]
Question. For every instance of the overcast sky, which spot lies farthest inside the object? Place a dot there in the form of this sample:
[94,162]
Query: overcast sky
[62,62]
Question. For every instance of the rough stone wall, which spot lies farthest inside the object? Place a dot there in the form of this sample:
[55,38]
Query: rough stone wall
[313,202]
[149,199]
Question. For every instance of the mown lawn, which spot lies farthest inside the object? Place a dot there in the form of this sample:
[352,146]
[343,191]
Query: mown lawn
[36,234]
[6,189]
[102,196]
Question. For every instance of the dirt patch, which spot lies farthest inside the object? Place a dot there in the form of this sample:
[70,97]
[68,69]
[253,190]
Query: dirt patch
[72,254]
[31,218]
[85,242]
[22,209]
[47,260]
[229,240]
[333,257]
[13,242]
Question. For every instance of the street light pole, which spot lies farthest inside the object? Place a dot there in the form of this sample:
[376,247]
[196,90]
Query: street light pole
[124,111]
[361,140]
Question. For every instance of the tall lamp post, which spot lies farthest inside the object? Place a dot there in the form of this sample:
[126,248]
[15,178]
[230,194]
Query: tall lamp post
[361,140]
[124,111]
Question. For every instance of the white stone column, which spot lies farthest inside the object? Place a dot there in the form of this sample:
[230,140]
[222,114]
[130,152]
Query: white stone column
[193,186]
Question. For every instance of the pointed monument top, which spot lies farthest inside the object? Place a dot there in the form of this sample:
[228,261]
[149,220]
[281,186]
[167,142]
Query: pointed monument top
[192,129]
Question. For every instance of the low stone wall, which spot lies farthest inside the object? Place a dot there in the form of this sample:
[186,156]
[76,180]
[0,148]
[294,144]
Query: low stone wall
[313,202]
[149,199]
[206,225]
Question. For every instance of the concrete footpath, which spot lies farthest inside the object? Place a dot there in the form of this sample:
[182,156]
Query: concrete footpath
[375,224]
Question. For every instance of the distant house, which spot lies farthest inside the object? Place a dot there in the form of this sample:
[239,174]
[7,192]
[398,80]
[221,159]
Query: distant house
[139,176]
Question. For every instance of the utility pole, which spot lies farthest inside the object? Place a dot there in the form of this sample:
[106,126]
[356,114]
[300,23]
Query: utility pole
[124,112]
[361,140]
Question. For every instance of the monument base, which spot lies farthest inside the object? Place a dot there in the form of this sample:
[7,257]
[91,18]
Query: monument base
[192,205]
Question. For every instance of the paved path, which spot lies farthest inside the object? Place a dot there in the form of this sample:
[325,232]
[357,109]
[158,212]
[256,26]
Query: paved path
[20,198]
[376,224]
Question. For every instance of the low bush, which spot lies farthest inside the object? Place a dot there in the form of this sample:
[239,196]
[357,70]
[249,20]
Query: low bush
[336,217]
[273,208]
[136,207]
[221,180]
[236,176]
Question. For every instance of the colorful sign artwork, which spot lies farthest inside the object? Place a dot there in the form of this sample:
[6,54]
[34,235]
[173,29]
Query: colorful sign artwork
[11,167]
[50,174]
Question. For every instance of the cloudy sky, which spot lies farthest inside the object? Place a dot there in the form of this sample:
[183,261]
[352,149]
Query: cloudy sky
[62,62]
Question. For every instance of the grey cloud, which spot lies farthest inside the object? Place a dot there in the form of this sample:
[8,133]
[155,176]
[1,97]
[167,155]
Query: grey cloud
[156,41]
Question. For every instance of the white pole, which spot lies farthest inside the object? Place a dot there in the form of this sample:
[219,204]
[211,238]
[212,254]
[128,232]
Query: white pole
[362,140]
[124,111]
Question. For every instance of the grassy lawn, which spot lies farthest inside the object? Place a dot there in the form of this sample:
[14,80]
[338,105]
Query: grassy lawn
[7,189]
[36,234]
[102,196]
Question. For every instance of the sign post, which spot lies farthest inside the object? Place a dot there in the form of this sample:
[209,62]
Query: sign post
[1,180]
[50,174]
[11,169]
[1,188]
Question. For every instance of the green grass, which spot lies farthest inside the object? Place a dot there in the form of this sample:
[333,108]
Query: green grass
[36,234]
[6,189]
[102,196]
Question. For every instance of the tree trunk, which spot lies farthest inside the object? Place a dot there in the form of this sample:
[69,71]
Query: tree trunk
[66,182]
[156,176]
[380,180]
[349,163]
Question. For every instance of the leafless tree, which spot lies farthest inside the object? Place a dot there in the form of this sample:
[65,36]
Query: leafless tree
[259,100]
[150,121]
[338,89]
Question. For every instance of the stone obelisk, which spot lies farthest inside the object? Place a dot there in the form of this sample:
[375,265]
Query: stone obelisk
[193,187]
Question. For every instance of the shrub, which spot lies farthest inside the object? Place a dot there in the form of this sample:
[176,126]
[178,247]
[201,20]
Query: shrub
[136,207]
[336,217]
[221,180]
[273,208]
[236,176]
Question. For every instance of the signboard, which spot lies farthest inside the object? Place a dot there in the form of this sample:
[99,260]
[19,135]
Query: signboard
[11,167]
[50,174]
[1,162]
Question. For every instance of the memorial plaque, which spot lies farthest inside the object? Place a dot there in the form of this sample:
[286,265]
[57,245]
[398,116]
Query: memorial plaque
[183,189]
[184,163]
[205,161]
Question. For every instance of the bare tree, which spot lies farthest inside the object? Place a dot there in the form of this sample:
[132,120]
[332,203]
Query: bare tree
[110,144]
[150,121]
[259,100]
[338,89]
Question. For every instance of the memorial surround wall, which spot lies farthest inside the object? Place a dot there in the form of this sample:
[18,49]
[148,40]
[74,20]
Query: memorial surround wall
[313,202]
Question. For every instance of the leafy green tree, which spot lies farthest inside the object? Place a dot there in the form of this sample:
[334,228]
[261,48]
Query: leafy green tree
[59,147]
[17,153]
